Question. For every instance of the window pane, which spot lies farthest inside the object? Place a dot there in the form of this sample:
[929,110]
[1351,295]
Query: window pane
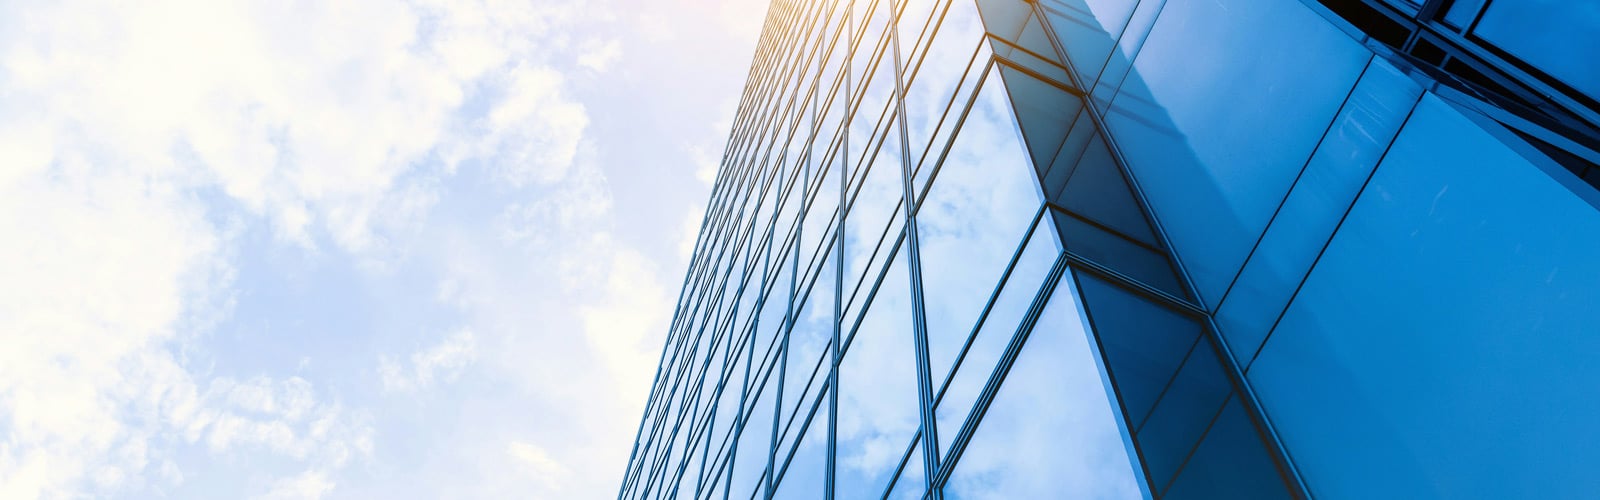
[1180,417]
[755,441]
[1227,98]
[804,478]
[1029,273]
[1088,29]
[1231,462]
[808,342]
[912,482]
[1325,190]
[930,88]
[1561,38]
[872,224]
[1462,12]
[975,214]
[1444,344]
[878,407]
[1117,252]
[1144,344]
[1050,428]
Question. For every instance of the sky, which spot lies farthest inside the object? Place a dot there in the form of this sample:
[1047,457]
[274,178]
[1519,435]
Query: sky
[355,249]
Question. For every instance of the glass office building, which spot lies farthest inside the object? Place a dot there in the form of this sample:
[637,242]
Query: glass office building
[1146,248]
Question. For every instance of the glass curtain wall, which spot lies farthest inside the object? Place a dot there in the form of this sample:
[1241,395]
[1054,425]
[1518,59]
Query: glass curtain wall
[1133,249]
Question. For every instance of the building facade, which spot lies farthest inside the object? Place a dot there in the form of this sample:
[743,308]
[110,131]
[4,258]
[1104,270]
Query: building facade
[1146,248]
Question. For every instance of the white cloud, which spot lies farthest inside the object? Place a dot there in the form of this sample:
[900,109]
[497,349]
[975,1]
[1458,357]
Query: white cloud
[622,326]
[307,485]
[537,463]
[706,164]
[128,135]
[104,268]
[141,144]
[443,362]
[600,55]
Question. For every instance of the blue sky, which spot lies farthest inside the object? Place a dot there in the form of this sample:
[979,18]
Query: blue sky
[357,249]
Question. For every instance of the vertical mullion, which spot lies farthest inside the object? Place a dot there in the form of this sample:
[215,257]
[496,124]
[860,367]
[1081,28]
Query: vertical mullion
[919,326]
[830,477]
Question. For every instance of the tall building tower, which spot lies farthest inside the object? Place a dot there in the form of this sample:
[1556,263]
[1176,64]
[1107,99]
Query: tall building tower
[1177,249]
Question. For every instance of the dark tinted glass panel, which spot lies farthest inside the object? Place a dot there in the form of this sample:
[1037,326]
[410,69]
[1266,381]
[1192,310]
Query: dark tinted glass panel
[1232,462]
[1180,417]
[1144,344]
[1227,98]
[1561,38]
[1462,12]
[1050,429]
[1443,346]
[1093,242]
[1044,111]
[1088,29]
[1097,190]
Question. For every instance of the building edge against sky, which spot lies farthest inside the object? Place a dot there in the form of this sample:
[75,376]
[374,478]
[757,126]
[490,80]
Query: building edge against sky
[1145,248]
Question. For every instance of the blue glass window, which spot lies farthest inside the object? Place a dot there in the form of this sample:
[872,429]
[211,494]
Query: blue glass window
[1088,29]
[1050,428]
[808,345]
[878,407]
[989,342]
[1321,196]
[974,216]
[755,440]
[1462,12]
[1215,138]
[912,482]
[932,86]
[1181,416]
[1444,344]
[1561,38]
[873,223]
[804,477]
[1232,462]
[1143,344]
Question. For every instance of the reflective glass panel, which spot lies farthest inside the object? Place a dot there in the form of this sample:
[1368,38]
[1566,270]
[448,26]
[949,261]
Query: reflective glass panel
[1050,428]
[1088,29]
[755,441]
[1561,38]
[989,342]
[1321,196]
[872,224]
[1225,102]
[1143,344]
[808,345]
[877,391]
[804,477]
[930,88]
[1232,462]
[1444,345]
[972,221]
[912,482]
